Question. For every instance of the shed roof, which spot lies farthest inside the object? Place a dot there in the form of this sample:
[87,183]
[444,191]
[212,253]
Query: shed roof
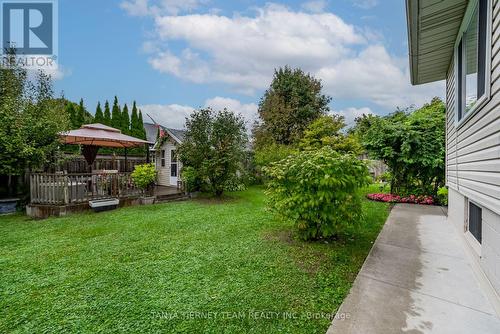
[152,132]
[433,26]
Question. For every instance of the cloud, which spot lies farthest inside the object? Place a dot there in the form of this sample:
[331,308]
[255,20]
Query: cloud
[174,115]
[350,114]
[160,7]
[374,75]
[315,6]
[136,7]
[55,74]
[365,4]
[242,51]
[248,111]
[170,115]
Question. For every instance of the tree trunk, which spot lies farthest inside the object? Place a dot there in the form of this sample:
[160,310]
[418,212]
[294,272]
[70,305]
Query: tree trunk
[219,192]
[9,185]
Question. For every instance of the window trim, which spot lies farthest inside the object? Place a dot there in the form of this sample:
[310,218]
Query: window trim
[471,239]
[162,159]
[486,97]
[174,163]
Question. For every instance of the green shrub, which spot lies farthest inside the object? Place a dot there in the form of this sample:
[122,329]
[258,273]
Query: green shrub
[412,144]
[385,177]
[317,190]
[442,195]
[236,183]
[190,179]
[267,155]
[144,176]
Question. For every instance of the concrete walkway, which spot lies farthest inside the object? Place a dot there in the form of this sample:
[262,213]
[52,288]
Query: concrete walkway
[417,279]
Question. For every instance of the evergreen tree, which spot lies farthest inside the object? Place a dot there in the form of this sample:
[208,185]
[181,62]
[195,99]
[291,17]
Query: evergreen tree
[141,129]
[125,126]
[70,109]
[107,114]
[116,115]
[99,116]
[134,122]
[80,118]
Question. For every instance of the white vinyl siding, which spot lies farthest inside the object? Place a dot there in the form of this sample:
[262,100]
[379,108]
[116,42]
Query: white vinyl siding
[164,172]
[473,148]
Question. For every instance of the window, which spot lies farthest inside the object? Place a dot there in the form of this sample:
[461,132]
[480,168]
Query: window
[472,60]
[173,163]
[475,225]
[163,158]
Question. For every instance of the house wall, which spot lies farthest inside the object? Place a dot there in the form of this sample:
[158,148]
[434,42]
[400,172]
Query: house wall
[164,172]
[473,160]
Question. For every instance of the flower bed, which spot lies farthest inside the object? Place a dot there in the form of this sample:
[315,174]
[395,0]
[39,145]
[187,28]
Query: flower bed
[389,198]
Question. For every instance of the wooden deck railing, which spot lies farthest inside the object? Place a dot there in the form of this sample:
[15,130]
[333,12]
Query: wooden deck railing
[63,189]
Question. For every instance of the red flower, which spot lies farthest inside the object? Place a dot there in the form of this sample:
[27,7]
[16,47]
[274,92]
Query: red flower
[389,198]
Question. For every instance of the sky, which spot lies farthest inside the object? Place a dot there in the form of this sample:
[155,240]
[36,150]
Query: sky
[175,55]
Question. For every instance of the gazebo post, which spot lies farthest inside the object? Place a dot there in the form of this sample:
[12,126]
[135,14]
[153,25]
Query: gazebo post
[126,161]
[147,153]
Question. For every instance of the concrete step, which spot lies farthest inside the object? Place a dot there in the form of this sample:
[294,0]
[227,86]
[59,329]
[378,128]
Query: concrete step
[171,198]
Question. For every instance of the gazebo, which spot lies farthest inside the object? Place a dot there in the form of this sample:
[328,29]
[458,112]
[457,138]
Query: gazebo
[94,136]
[57,194]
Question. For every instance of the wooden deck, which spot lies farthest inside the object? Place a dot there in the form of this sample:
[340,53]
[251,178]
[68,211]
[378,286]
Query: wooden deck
[59,194]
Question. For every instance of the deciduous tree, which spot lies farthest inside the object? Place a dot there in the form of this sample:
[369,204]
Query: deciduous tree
[326,131]
[30,120]
[214,146]
[292,102]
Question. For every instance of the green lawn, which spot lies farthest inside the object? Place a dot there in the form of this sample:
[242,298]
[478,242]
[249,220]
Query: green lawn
[190,267]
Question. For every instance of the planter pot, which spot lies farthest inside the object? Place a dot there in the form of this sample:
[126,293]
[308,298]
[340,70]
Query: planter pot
[107,204]
[8,205]
[147,200]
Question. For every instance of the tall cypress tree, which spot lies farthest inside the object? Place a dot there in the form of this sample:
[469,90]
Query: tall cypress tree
[80,118]
[134,122]
[70,109]
[107,114]
[116,115]
[99,116]
[141,127]
[125,120]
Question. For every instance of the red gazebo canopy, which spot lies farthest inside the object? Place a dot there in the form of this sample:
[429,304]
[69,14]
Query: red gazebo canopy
[93,136]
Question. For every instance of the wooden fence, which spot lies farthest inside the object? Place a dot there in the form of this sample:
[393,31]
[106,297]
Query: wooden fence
[79,165]
[64,189]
